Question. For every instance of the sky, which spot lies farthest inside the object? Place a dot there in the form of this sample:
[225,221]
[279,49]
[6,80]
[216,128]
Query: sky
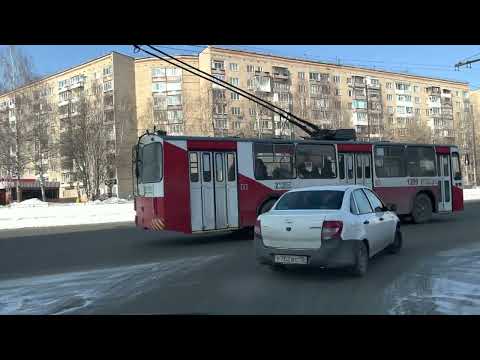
[427,60]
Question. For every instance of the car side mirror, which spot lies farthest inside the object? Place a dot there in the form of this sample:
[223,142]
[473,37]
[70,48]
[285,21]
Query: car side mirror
[391,207]
[379,209]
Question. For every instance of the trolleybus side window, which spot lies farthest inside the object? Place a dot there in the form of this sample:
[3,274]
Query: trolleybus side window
[420,161]
[193,167]
[316,161]
[273,161]
[389,161]
[152,163]
[231,167]
[207,173]
[457,173]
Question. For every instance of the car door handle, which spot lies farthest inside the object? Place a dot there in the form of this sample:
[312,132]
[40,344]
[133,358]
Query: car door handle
[366,222]
[381,219]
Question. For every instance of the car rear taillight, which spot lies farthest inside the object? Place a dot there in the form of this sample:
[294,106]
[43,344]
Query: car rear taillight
[258,230]
[332,230]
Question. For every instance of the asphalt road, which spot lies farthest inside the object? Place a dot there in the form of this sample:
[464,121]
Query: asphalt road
[117,269]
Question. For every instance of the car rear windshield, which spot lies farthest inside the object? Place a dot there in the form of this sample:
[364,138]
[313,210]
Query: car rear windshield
[310,200]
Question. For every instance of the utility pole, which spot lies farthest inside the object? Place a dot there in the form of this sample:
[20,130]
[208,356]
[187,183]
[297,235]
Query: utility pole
[472,118]
[469,63]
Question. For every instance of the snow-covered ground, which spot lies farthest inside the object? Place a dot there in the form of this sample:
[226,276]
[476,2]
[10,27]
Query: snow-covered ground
[35,213]
[448,284]
[471,194]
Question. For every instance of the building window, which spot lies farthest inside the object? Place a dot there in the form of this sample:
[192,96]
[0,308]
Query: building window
[375,82]
[350,93]
[259,69]
[314,76]
[158,72]
[159,87]
[250,68]
[417,100]
[250,84]
[302,88]
[218,65]
[107,86]
[389,85]
[390,109]
[235,111]
[174,100]
[389,97]
[400,109]
[417,111]
[234,96]
[415,88]
[252,112]
[234,81]
[233,67]
[337,92]
[63,83]
[219,109]
[301,75]
[336,79]
[107,70]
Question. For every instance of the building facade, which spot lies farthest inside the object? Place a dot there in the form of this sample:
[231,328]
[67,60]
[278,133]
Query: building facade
[133,95]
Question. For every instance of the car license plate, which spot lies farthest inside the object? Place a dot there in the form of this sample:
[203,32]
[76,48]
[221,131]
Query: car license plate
[290,259]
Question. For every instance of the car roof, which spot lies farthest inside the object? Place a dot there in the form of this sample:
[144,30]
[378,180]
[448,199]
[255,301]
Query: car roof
[329,187]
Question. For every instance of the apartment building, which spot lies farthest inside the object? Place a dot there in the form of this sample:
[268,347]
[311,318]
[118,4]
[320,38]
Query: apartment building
[138,94]
[54,100]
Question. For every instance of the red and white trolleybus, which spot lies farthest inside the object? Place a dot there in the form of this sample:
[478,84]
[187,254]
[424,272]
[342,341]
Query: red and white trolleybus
[195,184]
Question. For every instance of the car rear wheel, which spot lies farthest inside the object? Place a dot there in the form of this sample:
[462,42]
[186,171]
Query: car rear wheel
[361,260]
[422,209]
[395,247]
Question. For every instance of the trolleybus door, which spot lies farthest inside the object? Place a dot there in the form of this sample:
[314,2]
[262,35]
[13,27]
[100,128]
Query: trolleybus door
[363,169]
[196,175]
[444,181]
[349,168]
[232,188]
[208,196]
[220,192]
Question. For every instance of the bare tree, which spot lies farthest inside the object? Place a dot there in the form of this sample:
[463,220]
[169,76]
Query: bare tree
[87,143]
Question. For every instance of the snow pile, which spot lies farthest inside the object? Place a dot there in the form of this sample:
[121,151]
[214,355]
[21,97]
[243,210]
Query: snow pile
[30,214]
[471,194]
[29,203]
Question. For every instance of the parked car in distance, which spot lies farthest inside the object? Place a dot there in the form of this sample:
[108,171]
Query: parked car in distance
[327,226]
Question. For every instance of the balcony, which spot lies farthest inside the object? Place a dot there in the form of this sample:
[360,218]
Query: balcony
[446,102]
[433,90]
[78,84]
[281,73]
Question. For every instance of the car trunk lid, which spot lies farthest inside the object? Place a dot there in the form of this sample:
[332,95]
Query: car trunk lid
[299,229]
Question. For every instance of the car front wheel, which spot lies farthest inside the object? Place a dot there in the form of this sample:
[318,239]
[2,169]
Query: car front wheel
[395,247]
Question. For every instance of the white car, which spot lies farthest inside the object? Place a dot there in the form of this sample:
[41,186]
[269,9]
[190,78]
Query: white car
[327,226]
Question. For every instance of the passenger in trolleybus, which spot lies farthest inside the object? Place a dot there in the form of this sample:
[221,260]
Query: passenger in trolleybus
[307,169]
[260,170]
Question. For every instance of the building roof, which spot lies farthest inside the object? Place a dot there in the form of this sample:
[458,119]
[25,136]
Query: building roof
[313,62]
